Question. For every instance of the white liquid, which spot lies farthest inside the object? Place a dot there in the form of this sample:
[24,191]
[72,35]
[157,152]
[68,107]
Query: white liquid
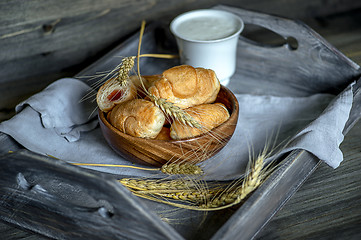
[207,28]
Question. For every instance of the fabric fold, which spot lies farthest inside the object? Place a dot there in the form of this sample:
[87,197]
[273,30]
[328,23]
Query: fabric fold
[59,123]
[64,107]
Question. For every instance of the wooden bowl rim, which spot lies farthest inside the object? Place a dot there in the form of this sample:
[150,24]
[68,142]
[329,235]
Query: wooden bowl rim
[234,114]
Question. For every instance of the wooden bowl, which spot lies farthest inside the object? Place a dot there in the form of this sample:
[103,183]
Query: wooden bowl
[158,152]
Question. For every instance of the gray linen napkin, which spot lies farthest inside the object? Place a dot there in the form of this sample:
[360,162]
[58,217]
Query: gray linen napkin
[55,122]
[282,124]
[62,108]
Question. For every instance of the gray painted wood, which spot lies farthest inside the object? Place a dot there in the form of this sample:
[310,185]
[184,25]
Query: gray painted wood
[65,202]
[314,66]
[278,189]
[41,41]
[328,205]
[234,227]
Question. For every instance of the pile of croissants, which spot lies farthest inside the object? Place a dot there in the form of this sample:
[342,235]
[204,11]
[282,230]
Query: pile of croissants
[193,90]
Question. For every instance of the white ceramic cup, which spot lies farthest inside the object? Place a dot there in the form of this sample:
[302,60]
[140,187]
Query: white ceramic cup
[208,38]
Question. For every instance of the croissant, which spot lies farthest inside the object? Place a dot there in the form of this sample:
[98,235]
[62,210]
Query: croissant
[112,93]
[208,115]
[186,86]
[164,134]
[147,80]
[138,118]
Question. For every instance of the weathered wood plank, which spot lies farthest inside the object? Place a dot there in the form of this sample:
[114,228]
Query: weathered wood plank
[325,70]
[328,205]
[72,211]
[283,187]
[8,232]
[40,38]
[348,211]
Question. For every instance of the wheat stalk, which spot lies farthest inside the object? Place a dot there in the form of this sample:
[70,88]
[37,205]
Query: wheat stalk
[191,195]
[169,185]
[249,184]
[175,112]
[167,107]
[171,168]
[181,168]
[126,66]
[185,190]
[197,192]
[225,199]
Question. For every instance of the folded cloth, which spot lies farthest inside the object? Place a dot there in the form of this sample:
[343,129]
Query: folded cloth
[325,134]
[282,124]
[64,108]
[313,123]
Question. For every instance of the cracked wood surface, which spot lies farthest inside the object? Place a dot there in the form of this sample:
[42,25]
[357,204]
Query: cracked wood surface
[327,206]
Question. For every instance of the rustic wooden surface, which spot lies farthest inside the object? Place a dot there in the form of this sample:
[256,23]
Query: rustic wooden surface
[328,205]
[54,201]
[41,41]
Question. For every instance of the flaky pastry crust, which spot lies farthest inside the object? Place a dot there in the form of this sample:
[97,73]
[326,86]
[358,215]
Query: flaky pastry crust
[186,86]
[138,118]
[208,115]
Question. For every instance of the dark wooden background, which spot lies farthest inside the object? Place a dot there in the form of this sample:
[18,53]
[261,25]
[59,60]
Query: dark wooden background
[43,40]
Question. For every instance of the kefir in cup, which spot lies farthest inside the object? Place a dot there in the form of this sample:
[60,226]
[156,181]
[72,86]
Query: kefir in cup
[208,38]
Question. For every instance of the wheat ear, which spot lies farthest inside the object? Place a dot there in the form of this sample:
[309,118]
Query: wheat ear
[250,183]
[126,66]
[181,168]
[227,198]
[191,195]
[167,107]
[175,112]
[171,168]
[169,185]
[186,190]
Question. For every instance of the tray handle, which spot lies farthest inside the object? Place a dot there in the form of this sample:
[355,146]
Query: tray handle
[314,62]
[62,201]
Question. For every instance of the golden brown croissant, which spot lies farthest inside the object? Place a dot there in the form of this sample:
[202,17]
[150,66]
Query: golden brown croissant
[164,134]
[138,118]
[186,86]
[112,93]
[208,115]
[147,80]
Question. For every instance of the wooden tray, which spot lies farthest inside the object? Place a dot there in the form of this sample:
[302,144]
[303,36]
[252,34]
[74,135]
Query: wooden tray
[61,201]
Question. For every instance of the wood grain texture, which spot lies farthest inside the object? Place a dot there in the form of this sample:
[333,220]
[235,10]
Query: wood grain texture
[328,203]
[327,206]
[41,41]
[46,198]
[286,66]
[159,152]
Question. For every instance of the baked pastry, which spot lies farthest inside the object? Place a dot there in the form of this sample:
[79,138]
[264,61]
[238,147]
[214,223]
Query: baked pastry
[208,115]
[138,118]
[112,93]
[164,134]
[147,80]
[186,86]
